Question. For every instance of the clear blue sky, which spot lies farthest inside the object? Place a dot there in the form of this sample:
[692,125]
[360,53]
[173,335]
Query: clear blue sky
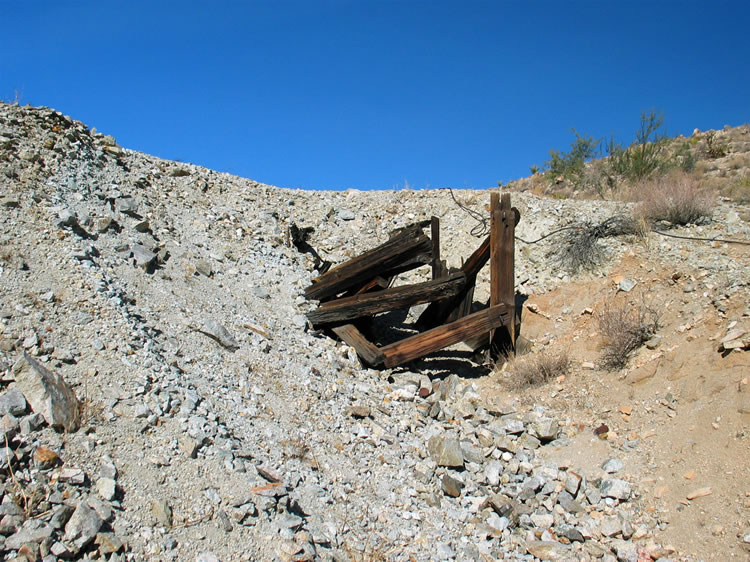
[335,94]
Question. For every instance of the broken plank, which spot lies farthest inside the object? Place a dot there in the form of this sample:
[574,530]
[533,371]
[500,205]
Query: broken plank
[395,298]
[402,247]
[441,337]
[369,352]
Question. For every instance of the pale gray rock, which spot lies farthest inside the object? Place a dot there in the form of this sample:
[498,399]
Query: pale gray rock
[32,531]
[472,453]
[106,488]
[546,429]
[109,543]
[424,470]
[612,466]
[497,522]
[60,516]
[514,426]
[572,482]
[219,333]
[528,441]
[610,526]
[615,488]
[451,485]
[548,550]
[47,393]
[13,403]
[570,532]
[102,508]
[162,512]
[144,258]
[83,526]
[127,205]
[543,520]
[492,472]
[627,285]
[567,502]
[204,267]
[445,451]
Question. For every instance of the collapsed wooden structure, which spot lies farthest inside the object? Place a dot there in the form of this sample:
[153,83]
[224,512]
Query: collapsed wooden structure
[361,288]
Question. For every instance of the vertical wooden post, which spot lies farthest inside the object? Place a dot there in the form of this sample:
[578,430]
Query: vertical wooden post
[435,232]
[502,258]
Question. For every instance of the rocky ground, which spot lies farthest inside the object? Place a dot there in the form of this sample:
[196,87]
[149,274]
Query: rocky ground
[196,416]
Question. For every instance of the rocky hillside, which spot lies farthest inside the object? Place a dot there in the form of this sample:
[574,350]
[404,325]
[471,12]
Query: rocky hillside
[720,159]
[163,397]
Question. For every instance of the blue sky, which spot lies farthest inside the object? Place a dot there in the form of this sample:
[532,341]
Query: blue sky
[334,94]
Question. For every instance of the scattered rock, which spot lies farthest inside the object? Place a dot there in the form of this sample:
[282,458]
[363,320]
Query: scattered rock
[162,512]
[82,527]
[451,486]
[219,333]
[446,451]
[47,393]
[615,488]
[612,466]
[548,550]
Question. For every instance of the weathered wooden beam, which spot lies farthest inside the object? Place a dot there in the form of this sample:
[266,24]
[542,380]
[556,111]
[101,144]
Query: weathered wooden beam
[438,338]
[402,247]
[395,298]
[502,262]
[439,312]
[368,351]
[407,265]
[435,235]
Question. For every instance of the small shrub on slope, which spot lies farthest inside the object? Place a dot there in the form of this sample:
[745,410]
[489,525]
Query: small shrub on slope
[533,370]
[624,328]
[677,198]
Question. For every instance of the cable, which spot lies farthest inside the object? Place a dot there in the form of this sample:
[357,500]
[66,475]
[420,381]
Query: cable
[745,242]
[547,235]
[481,228]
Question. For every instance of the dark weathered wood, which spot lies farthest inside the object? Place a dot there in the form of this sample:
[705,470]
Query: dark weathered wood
[465,308]
[476,261]
[438,338]
[439,312]
[502,250]
[368,351]
[395,298]
[508,263]
[374,283]
[407,265]
[414,228]
[495,232]
[402,247]
[435,234]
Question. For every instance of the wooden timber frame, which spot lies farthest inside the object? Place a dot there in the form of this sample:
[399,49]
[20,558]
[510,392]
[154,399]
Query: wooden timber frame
[360,288]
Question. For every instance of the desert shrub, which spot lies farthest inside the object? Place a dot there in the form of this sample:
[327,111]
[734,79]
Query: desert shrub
[536,369]
[644,156]
[739,189]
[714,148]
[624,328]
[579,247]
[570,165]
[683,158]
[677,198]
